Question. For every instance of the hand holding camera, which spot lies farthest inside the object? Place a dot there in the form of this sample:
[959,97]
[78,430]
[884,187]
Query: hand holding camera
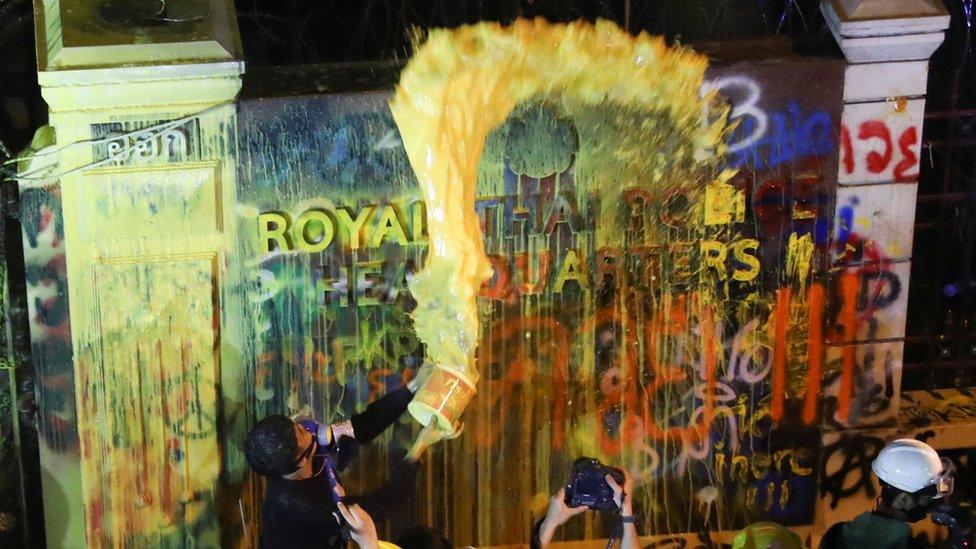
[557,515]
[592,486]
[361,525]
[588,485]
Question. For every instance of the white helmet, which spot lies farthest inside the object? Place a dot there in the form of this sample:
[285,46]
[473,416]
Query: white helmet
[911,465]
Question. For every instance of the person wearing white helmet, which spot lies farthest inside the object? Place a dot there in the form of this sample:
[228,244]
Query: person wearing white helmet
[914,479]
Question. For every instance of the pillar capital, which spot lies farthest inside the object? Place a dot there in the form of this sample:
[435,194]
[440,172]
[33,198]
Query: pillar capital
[105,54]
[874,31]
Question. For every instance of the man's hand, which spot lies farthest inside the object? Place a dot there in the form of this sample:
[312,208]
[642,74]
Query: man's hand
[361,524]
[430,435]
[423,373]
[556,516]
[623,495]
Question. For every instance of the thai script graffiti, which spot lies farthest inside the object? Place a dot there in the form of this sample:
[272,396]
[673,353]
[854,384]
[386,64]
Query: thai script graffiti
[897,152]
[122,143]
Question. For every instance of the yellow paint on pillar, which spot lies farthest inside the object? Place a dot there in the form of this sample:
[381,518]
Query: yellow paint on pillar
[150,235]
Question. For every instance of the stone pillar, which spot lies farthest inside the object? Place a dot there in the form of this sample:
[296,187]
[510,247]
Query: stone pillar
[138,168]
[887,44]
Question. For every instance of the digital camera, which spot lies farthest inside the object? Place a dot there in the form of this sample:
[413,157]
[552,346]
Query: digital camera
[588,485]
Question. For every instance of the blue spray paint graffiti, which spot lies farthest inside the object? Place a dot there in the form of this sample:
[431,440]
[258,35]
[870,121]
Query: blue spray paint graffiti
[790,136]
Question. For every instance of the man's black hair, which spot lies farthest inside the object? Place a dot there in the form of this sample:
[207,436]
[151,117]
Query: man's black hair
[423,537]
[906,506]
[271,446]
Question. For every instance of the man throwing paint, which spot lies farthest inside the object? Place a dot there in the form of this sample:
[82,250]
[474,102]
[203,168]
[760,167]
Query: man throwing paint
[299,509]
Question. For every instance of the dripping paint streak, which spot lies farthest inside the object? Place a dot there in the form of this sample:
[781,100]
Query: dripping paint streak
[815,303]
[848,291]
[781,323]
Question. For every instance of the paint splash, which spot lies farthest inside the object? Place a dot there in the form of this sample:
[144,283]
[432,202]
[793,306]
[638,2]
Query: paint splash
[799,255]
[464,82]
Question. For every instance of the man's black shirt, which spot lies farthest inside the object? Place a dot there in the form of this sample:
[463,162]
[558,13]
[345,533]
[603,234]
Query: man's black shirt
[298,513]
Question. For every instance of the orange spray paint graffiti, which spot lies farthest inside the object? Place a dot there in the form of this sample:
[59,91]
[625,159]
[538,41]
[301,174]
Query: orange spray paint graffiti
[780,315]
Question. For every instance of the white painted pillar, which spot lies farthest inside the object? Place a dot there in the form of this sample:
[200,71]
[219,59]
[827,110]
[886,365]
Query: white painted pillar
[887,44]
[141,99]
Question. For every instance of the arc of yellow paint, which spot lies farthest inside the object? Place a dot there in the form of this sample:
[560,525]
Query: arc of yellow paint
[462,83]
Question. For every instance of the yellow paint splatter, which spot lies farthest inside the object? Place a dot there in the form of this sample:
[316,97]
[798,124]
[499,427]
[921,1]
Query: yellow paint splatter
[724,204]
[799,254]
[462,83]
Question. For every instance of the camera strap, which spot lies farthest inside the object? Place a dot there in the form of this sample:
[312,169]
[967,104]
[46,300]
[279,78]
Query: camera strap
[616,531]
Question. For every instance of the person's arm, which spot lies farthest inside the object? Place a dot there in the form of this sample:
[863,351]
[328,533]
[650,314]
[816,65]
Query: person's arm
[379,415]
[557,515]
[623,495]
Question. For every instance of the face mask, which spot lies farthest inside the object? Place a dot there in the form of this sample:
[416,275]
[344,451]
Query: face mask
[322,433]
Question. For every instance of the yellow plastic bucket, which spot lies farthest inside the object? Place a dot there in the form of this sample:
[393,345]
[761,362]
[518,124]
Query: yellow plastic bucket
[443,397]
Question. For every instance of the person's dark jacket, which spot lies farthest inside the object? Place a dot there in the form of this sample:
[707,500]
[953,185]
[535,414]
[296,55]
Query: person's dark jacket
[298,513]
[870,529]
